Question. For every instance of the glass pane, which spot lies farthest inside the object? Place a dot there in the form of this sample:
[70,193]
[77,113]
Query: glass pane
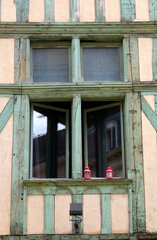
[101,64]
[104,142]
[49,143]
[50,65]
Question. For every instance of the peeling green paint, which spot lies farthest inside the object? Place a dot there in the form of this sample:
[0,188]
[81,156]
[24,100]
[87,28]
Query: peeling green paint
[153,10]
[74,11]
[6,113]
[135,72]
[127,10]
[154,59]
[49,214]
[22,10]
[106,214]
[49,11]
[100,10]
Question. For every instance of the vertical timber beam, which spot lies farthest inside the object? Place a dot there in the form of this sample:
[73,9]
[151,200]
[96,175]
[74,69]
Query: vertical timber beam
[76,138]
[49,214]
[154,59]
[106,214]
[20,60]
[135,72]
[22,10]
[76,68]
[49,11]
[127,10]
[20,166]
[74,11]
[153,10]
[100,10]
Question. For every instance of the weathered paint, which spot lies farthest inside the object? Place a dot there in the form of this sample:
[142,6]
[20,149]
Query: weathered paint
[74,11]
[20,168]
[62,223]
[36,11]
[3,103]
[150,168]
[5,114]
[150,100]
[91,214]
[6,140]
[119,213]
[145,58]
[62,11]
[8,11]
[22,10]
[76,138]
[76,56]
[134,59]
[153,10]
[112,11]
[7,61]
[49,213]
[150,114]
[154,59]
[127,10]
[49,11]
[106,214]
[35,214]
[87,11]
[100,10]
[142,10]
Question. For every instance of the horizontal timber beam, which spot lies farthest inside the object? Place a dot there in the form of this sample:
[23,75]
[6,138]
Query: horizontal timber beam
[33,30]
[139,236]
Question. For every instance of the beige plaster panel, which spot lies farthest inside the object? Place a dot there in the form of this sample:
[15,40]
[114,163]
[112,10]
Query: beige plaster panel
[145,59]
[36,11]
[119,213]
[150,176]
[6,61]
[62,11]
[62,206]
[151,101]
[8,11]
[91,214]
[87,11]
[6,141]
[3,103]
[112,11]
[142,10]
[35,214]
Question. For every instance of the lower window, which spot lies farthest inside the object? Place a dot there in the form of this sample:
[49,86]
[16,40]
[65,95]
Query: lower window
[102,138]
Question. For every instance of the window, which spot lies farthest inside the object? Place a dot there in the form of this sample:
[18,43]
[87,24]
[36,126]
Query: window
[74,131]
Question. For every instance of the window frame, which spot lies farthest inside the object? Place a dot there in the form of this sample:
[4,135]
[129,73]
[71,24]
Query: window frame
[118,45]
[51,45]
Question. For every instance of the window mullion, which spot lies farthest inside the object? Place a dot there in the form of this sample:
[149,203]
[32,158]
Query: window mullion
[76,138]
[76,65]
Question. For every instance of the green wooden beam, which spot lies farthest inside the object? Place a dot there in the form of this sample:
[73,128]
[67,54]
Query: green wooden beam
[83,30]
[49,214]
[6,113]
[76,61]
[154,58]
[22,10]
[153,10]
[100,10]
[49,11]
[150,114]
[20,169]
[127,10]
[106,214]
[74,11]
[135,73]
[76,138]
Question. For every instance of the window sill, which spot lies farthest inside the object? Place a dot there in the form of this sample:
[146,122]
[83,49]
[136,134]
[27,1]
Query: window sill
[76,182]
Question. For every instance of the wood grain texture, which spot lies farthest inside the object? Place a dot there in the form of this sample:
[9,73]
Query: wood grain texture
[127,10]
[49,11]
[99,10]
[6,113]
[106,214]
[153,10]
[22,10]
[74,11]
[135,71]
[154,59]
